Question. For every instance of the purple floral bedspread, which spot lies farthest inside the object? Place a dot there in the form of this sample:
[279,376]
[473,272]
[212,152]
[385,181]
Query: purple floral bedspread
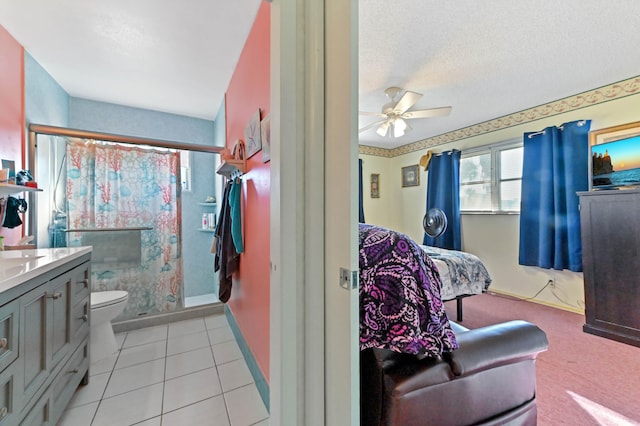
[400,304]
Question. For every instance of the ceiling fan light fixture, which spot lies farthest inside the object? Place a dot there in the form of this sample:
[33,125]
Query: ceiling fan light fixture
[399,127]
[392,120]
[384,127]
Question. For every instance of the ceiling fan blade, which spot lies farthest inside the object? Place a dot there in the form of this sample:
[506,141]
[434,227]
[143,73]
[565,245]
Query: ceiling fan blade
[407,100]
[427,113]
[372,125]
[374,114]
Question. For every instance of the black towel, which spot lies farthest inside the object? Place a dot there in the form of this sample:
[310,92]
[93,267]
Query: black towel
[12,207]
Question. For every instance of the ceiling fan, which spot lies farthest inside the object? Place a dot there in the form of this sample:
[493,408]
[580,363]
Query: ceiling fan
[396,111]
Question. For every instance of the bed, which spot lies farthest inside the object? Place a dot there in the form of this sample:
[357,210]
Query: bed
[462,274]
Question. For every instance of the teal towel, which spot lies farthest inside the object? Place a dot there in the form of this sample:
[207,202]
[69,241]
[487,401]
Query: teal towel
[236,220]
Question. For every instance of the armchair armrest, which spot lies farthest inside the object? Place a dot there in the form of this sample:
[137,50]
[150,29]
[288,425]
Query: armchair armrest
[496,345]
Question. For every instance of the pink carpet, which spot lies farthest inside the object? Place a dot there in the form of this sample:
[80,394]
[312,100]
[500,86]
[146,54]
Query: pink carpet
[582,379]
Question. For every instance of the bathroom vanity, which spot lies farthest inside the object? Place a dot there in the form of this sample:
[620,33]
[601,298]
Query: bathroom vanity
[44,332]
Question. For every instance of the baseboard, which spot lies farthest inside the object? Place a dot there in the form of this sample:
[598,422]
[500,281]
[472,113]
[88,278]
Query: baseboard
[540,302]
[258,378]
[166,318]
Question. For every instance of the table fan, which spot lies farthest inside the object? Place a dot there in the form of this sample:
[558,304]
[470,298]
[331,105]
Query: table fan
[434,222]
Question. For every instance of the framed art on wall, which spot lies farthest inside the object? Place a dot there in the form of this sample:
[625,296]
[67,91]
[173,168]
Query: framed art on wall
[252,135]
[375,185]
[265,134]
[615,157]
[411,175]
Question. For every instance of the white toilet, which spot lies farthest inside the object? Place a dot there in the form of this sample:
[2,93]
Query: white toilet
[105,306]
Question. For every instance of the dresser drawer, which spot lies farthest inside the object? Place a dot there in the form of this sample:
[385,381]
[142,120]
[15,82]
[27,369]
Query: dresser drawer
[9,337]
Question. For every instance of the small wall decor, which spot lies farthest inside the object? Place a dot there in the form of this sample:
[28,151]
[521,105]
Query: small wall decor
[252,135]
[10,167]
[615,156]
[411,176]
[375,185]
[265,135]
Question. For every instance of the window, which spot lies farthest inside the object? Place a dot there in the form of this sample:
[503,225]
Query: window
[490,178]
[185,170]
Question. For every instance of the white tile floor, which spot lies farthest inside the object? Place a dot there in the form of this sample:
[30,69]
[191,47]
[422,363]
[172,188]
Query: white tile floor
[184,373]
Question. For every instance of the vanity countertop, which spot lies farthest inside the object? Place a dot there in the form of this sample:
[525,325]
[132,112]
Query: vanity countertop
[19,266]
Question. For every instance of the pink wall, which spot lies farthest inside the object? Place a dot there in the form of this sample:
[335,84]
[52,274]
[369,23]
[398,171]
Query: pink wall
[11,111]
[248,91]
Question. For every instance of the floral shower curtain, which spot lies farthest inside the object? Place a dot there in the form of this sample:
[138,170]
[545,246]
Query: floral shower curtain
[115,186]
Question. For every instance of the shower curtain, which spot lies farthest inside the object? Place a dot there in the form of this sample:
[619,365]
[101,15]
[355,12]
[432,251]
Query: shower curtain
[116,186]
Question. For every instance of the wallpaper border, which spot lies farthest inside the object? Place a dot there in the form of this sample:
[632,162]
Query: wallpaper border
[600,95]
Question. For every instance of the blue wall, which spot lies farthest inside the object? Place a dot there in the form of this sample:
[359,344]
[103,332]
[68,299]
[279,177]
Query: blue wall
[45,103]
[110,118]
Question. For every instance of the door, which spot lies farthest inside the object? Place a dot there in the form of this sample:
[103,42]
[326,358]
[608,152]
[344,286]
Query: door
[314,371]
[34,326]
[60,293]
[342,366]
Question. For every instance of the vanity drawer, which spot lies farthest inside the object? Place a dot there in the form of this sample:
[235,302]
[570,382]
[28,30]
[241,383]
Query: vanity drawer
[9,337]
[40,413]
[81,282]
[9,397]
[80,320]
[67,381]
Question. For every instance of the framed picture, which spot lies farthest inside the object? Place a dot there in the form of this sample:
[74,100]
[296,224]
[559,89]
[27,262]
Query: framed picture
[252,135]
[411,176]
[375,185]
[10,167]
[615,156]
[265,134]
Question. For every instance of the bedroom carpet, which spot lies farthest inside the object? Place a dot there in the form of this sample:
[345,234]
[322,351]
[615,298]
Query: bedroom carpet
[582,379]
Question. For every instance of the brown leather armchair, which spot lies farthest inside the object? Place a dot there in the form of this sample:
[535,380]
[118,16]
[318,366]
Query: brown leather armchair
[489,380]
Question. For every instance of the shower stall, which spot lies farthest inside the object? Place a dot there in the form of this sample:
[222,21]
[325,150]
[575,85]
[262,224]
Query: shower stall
[139,204]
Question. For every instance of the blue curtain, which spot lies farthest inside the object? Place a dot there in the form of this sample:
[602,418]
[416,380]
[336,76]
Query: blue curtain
[443,192]
[361,219]
[555,167]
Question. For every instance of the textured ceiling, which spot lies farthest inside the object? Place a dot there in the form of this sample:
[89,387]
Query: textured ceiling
[484,58]
[490,58]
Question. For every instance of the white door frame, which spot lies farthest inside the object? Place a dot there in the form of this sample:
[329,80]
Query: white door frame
[314,369]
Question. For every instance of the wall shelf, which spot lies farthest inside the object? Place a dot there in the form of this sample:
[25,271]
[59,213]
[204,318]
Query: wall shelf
[232,168]
[9,188]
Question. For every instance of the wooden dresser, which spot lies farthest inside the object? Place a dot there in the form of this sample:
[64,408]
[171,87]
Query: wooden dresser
[610,226]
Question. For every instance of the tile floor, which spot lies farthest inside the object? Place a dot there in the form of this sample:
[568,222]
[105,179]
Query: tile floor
[185,373]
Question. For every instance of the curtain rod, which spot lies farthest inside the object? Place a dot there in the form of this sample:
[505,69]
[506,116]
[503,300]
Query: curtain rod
[541,132]
[109,137]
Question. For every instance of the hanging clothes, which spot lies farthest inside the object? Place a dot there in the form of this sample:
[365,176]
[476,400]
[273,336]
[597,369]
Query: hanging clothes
[226,259]
[13,208]
[236,219]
